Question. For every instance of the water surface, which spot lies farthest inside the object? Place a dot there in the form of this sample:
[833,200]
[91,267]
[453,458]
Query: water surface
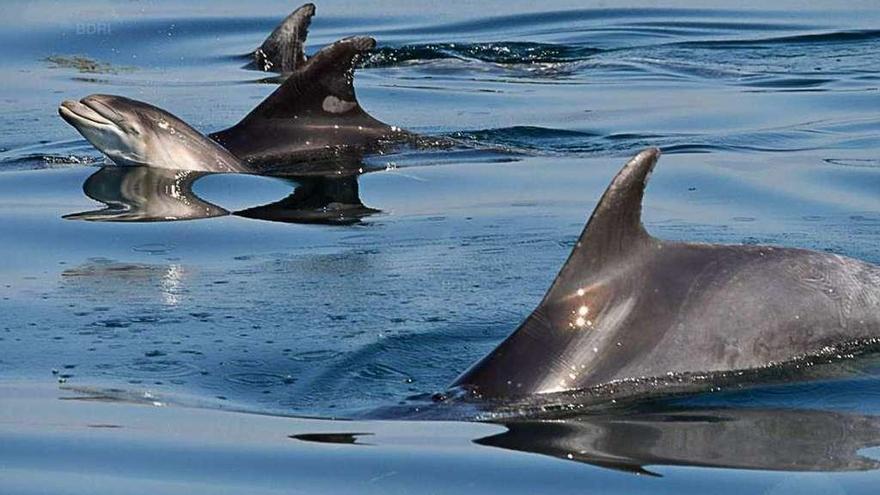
[262,302]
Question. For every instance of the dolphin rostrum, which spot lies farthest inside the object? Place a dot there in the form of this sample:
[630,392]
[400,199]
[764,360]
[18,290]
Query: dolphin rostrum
[628,308]
[284,50]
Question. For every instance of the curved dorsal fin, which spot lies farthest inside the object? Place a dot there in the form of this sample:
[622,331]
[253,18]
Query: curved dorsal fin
[615,228]
[323,89]
[284,49]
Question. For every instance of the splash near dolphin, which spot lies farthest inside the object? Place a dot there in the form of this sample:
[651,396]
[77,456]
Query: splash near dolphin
[630,309]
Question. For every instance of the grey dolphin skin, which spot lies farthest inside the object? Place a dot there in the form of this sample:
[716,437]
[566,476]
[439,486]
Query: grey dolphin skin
[284,49]
[313,115]
[629,308]
[132,132]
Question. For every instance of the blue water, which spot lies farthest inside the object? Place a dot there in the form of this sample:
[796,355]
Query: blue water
[768,118]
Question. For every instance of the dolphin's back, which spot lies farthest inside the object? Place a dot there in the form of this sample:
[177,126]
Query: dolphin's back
[312,115]
[701,309]
[629,307]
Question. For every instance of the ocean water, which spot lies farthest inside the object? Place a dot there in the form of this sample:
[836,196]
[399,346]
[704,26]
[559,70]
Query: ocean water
[247,348]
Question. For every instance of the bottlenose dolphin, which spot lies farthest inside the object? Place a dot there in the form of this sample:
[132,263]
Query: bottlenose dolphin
[284,49]
[632,312]
[132,132]
[313,115]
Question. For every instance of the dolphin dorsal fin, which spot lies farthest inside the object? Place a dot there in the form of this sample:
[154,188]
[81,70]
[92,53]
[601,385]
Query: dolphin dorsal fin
[615,228]
[284,49]
[322,90]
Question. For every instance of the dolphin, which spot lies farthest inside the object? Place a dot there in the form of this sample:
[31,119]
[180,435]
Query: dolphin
[630,313]
[134,133]
[284,50]
[313,116]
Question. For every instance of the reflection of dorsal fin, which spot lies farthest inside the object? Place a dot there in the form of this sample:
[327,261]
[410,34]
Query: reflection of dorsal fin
[322,90]
[615,228]
[283,50]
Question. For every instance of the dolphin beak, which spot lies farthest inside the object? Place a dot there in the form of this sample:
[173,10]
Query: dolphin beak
[77,114]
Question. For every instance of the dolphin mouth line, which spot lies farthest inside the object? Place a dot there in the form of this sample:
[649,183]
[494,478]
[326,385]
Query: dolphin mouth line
[84,112]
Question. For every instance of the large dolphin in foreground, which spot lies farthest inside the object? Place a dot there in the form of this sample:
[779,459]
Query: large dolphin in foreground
[628,309]
[313,116]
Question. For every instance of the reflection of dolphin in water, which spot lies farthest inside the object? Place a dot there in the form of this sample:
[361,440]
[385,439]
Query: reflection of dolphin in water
[629,312]
[765,439]
[146,194]
[133,133]
[322,200]
[779,439]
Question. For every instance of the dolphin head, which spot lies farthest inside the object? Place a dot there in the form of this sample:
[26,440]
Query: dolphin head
[132,132]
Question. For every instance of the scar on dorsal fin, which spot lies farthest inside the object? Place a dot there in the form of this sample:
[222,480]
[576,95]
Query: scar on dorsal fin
[615,228]
[284,49]
[322,90]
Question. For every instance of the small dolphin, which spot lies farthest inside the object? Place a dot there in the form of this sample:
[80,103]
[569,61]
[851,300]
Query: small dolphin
[628,308]
[313,116]
[284,49]
[132,132]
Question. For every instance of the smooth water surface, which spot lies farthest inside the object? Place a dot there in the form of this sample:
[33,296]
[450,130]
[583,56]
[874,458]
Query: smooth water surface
[272,299]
